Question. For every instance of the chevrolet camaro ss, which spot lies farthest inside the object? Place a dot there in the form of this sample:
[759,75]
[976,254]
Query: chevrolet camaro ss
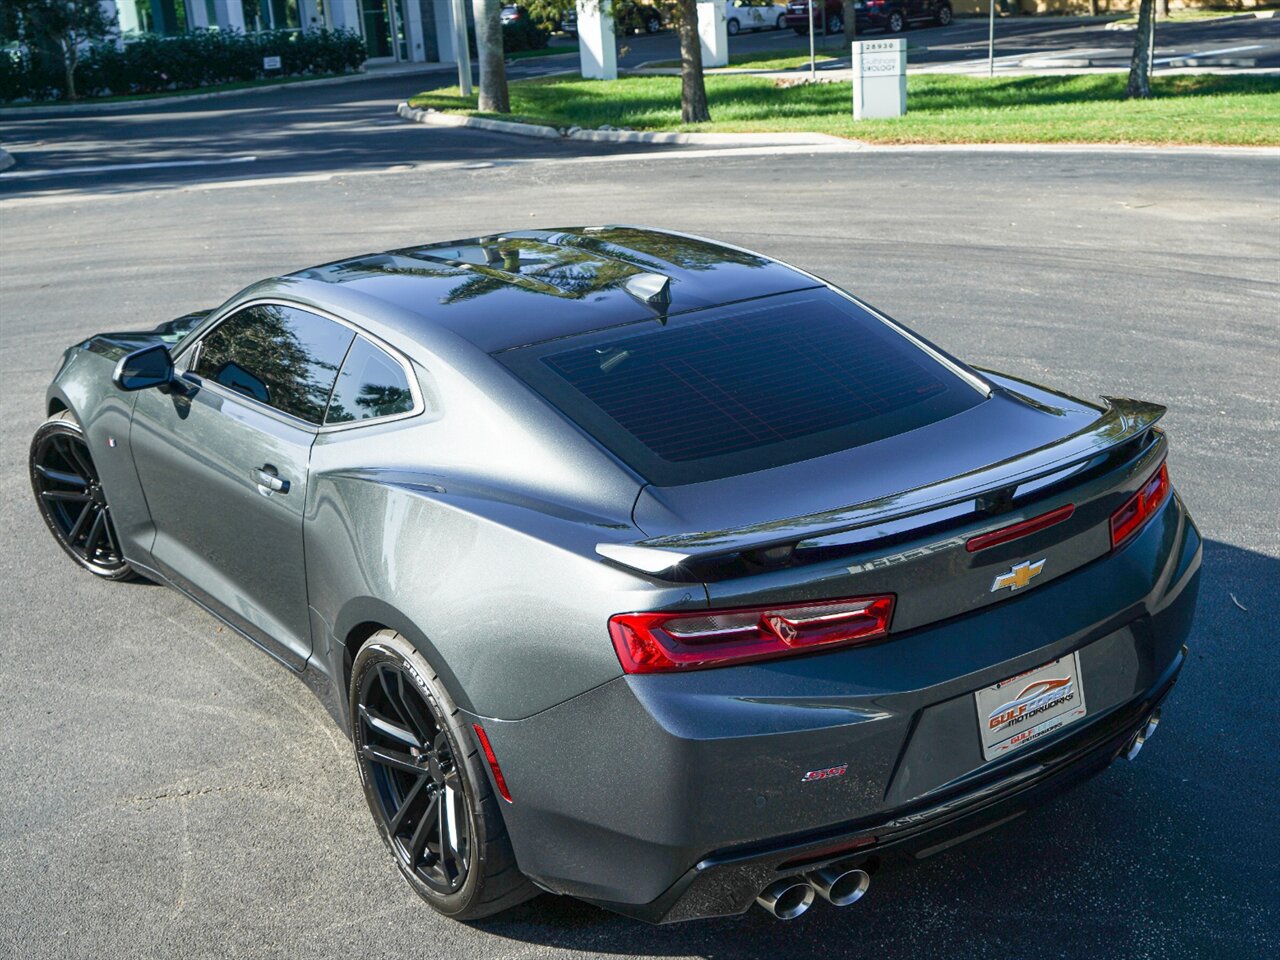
[638,567]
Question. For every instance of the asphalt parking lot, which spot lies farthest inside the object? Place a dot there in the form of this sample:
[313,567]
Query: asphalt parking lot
[169,791]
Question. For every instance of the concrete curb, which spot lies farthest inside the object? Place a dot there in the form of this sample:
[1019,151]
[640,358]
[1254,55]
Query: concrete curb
[435,118]
[1078,62]
[145,103]
[6,159]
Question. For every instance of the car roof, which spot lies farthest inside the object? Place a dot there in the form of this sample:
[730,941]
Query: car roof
[528,286]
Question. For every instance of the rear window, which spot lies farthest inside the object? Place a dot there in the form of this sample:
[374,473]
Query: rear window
[742,388]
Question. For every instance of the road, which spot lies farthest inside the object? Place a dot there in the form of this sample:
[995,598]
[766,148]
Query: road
[169,791]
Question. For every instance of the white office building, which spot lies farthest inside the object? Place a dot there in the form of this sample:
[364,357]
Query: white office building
[393,30]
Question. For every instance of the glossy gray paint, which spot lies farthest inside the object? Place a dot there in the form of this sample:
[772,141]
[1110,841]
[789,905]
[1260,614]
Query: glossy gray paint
[472,527]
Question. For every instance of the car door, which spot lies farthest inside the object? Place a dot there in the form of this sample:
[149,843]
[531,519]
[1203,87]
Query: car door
[224,468]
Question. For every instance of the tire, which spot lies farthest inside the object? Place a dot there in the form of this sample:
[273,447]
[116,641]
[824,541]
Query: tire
[944,16]
[652,25]
[782,22]
[71,500]
[896,23]
[835,24]
[394,687]
[732,27]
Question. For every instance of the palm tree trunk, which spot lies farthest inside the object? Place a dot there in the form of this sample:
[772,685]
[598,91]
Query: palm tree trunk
[693,89]
[850,16]
[494,97]
[1140,66]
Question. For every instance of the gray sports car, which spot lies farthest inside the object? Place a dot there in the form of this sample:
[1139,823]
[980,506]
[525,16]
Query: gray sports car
[638,567]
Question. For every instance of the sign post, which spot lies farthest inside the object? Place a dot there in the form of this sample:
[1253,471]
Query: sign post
[879,79]
[991,42]
[461,48]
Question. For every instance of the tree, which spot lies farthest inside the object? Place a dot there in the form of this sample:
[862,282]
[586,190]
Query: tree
[849,14]
[494,97]
[693,88]
[1139,86]
[67,26]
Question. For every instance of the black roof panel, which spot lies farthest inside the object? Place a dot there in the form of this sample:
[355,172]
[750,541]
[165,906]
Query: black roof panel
[524,287]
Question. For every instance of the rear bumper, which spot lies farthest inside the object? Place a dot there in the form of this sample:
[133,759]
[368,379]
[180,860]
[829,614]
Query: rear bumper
[673,797]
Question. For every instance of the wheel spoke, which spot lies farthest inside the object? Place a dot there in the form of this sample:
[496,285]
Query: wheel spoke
[419,721]
[79,459]
[385,726]
[85,513]
[109,528]
[95,532]
[393,701]
[61,476]
[407,804]
[391,758]
[74,496]
[418,842]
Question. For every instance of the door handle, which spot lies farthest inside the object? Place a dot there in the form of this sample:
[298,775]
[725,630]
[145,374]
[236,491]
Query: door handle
[268,480]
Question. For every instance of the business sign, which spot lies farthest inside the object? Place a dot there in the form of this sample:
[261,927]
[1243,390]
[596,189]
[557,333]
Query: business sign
[879,79]
[271,63]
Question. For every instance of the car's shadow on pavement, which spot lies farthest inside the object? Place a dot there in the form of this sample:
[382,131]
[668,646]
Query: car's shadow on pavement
[1176,851]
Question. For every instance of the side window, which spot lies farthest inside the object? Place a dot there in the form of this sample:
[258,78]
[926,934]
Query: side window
[281,356]
[370,385]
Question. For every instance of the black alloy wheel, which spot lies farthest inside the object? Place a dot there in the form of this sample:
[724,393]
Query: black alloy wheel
[418,790]
[944,16]
[69,493]
[897,22]
[427,785]
[835,24]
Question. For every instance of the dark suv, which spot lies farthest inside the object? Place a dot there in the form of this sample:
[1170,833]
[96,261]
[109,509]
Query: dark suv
[892,16]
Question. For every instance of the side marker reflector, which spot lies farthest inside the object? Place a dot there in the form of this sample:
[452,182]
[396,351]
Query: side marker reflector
[498,778]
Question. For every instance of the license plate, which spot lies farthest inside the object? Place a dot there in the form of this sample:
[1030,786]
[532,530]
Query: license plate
[1022,709]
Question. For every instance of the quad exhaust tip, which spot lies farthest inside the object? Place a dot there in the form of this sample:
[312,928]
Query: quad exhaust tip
[787,899]
[1142,736]
[840,887]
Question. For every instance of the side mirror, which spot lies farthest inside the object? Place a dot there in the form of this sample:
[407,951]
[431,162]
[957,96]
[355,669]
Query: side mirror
[149,367]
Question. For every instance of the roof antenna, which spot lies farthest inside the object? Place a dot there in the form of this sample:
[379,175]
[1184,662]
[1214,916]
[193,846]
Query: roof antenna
[651,289]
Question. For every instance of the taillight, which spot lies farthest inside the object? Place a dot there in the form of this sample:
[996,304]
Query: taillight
[1017,531]
[690,640]
[1139,508]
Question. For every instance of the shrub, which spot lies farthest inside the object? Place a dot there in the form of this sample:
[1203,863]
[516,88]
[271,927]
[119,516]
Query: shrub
[153,64]
[524,34]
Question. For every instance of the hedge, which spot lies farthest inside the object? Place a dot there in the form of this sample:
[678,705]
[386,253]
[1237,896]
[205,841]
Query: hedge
[524,34]
[204,59]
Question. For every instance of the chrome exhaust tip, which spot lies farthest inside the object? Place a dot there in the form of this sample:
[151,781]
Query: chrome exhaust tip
[1142,736]
[787,899]
[840,887]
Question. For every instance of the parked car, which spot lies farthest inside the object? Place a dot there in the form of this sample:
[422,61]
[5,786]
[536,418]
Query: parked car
[742,15]
[638,567]
[629,17]
[892,16]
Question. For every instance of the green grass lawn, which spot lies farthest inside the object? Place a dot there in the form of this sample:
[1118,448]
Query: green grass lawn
[1187,109]
[548,51]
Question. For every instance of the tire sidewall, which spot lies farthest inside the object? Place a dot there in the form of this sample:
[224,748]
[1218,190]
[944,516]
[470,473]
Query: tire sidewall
[388,647]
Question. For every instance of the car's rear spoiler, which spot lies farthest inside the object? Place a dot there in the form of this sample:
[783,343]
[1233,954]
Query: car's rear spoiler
[1120,421]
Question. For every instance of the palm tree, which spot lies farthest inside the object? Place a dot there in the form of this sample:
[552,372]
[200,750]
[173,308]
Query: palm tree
[1139,86]
[494,97]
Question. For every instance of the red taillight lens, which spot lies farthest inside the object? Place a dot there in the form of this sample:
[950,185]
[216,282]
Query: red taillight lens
[661,642]
[1139,508]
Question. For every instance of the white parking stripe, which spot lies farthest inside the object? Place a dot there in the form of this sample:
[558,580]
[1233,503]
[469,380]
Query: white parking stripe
[1207,53]
[113,167]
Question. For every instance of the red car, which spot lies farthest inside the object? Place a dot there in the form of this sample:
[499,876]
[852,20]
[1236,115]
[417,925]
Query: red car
[892,16]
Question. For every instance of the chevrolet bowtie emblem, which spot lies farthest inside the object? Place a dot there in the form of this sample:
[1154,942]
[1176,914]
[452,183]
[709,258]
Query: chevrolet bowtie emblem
[1021,574]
